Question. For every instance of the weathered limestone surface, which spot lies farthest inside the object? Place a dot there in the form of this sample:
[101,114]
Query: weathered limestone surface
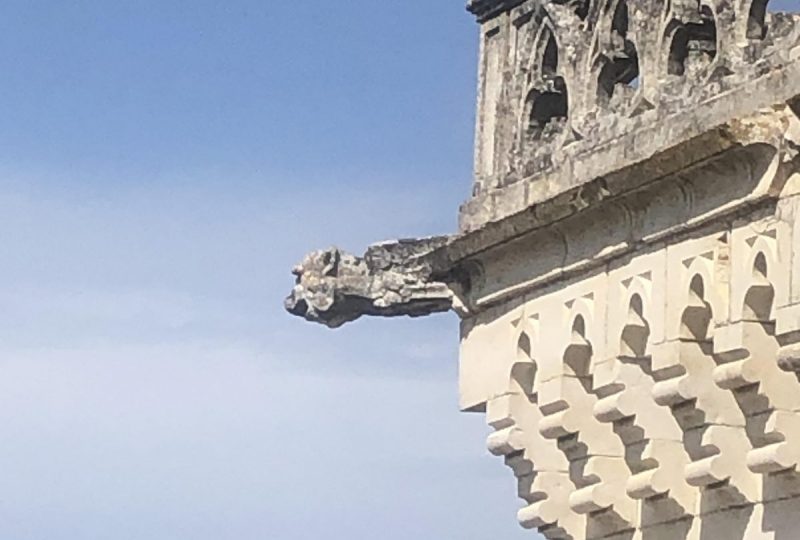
[627,269]
[576,90]
[393,278]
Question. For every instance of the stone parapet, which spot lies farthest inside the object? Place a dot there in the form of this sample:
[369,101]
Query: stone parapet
[573,92]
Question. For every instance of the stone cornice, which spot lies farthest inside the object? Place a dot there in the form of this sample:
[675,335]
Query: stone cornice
[634,160]
[423,276]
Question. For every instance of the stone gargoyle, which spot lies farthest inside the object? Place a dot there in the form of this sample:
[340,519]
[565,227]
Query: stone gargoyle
[391,279]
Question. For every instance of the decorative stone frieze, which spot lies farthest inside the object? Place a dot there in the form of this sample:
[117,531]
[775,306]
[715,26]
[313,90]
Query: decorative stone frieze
[628,266]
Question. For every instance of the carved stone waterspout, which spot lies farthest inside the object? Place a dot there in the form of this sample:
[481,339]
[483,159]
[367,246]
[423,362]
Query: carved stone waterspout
[391,279]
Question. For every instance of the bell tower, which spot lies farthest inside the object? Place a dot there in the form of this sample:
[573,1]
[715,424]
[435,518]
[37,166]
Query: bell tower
[627,267]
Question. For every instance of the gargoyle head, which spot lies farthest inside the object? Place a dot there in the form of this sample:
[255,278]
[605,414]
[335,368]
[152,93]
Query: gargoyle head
[323,282]
[333,287]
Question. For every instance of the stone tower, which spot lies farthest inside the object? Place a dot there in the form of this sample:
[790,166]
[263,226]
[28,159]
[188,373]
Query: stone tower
[627,269]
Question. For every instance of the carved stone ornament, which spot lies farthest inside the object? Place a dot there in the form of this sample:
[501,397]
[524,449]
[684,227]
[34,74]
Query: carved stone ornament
[334,287]
[627,269]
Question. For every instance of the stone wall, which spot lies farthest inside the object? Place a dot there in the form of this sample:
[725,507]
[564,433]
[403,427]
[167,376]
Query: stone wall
[637,360]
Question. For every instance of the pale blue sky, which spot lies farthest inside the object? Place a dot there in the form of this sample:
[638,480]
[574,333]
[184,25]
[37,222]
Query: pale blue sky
[164,164]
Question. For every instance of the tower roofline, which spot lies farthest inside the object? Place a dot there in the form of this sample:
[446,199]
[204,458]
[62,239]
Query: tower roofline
[486,9]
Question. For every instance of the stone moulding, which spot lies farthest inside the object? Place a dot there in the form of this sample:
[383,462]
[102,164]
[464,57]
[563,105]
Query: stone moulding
[624,207]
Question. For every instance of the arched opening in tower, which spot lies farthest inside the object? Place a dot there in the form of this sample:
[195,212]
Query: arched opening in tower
[694,44]
[621,69]
[757,20]
[548,104]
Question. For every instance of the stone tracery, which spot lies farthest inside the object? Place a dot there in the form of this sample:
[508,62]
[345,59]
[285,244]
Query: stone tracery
[617,62]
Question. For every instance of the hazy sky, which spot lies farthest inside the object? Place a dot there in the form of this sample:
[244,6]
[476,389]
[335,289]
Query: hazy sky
[164,164]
